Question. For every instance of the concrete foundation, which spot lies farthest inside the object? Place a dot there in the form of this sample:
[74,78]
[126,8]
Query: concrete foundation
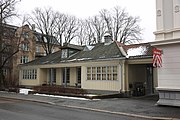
[169,97]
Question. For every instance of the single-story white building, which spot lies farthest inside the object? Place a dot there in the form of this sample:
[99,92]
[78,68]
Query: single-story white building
[103,67]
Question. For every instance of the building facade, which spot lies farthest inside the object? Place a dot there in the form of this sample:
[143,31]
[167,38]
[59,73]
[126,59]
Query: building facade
[8,46]
[27,46]
[105,67]
[167,39]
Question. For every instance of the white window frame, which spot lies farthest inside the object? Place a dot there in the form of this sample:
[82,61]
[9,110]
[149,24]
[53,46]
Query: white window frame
[25,46]
[90,73]
[29,74]
[64,53]
[24,59]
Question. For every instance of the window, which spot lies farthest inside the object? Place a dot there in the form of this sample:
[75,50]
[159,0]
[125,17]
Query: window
[114,72]
[98,73]
[93,73]
[24,59]
[5,72]
[37,49]
[29,74]
[88,73]
[52,75]
[25,47]
[64,53]
[79,75]
[66,75]
[25,35]
[102,73]
[109,73]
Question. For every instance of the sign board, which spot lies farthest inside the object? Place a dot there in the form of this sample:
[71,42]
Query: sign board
[157,57]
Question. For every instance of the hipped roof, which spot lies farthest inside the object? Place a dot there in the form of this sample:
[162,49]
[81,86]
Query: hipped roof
[100,51]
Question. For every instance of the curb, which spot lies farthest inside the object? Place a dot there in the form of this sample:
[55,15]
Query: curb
[120,113]
[96,110]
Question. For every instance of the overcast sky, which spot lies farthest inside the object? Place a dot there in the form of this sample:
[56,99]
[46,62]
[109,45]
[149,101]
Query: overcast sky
[145,9]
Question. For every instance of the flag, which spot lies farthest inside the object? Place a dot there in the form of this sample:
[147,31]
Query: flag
[157,57]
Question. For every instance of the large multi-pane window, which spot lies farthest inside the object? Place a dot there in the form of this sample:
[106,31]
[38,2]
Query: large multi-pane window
[29,74]
[102,73]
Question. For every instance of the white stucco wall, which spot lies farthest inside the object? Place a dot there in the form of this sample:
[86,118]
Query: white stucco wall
[167,19]
[29,82]
[109,85]
[169,73]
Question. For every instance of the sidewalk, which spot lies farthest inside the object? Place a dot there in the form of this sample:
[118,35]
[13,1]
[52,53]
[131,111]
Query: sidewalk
[142,107]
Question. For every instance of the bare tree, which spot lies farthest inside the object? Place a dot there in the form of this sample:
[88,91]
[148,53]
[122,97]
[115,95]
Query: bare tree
[65,28]
[92,30]
[7,50]
[106,17]
[131,32]
[61,23]
[89,32]
[81,33]
[7,9]
[71,29]
[121,26]
[98,26]
[45,22]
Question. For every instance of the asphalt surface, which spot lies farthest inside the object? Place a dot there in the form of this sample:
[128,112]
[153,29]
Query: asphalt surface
[25,110]
[140,107]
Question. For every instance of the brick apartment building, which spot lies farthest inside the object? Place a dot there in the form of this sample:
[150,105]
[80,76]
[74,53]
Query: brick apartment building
[29,46]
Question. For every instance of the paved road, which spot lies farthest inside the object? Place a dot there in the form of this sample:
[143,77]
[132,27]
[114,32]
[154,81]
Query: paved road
[23,110]
[141,107]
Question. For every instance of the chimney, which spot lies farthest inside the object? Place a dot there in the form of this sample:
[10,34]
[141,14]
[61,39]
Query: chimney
[33,27]
[107,37]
